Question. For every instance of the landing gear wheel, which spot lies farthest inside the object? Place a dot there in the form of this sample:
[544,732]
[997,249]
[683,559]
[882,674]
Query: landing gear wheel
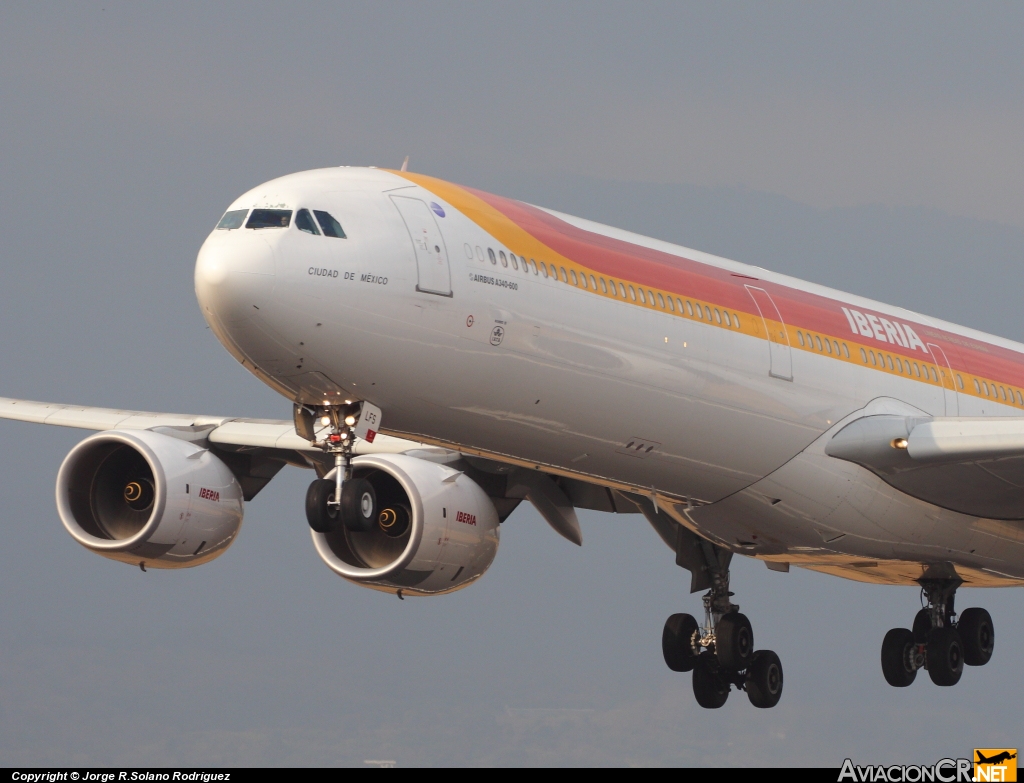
[322,516]
[710,688]
[677,642]
[358,505]
[922,626]
[978,635]
[764,679]
[945,656]
[734,641]
[897,658]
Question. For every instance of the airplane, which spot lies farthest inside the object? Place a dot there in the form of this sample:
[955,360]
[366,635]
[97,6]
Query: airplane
[449,353]
[996,759]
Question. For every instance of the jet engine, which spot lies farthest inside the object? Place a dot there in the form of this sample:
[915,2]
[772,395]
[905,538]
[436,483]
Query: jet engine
[148,499]
[436,529]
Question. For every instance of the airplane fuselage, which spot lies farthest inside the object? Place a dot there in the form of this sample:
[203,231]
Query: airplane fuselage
[534,338]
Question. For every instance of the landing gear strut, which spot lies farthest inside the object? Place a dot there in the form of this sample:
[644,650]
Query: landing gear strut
[720,653]
[939,641]
[340,501]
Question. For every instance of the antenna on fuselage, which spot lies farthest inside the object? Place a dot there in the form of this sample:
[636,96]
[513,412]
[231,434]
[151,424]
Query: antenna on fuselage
[405,164]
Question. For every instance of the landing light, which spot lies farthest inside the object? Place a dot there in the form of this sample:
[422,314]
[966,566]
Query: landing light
[350,420]
[899,443]
[325,420]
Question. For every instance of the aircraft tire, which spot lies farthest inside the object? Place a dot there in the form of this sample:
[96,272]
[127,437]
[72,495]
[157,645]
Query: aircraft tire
[922,626]
[358,505]
[945,656]
[709,687]
[319,514]
[677,642]
[734,641]
[978,634]
[896,651]
[764,679]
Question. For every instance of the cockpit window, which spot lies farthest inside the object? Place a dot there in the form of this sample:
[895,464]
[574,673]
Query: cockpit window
[331,227]
[269,218]
[304,222]
[233,218]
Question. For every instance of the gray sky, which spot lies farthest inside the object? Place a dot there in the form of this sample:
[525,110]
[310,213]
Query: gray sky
[876,148]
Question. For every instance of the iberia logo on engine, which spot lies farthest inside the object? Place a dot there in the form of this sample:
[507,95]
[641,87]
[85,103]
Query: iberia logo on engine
[209,494]
[468,519]
[995,764]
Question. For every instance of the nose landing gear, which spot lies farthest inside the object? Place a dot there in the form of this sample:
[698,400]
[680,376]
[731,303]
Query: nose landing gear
[720,653]
[343,500]
[938,642]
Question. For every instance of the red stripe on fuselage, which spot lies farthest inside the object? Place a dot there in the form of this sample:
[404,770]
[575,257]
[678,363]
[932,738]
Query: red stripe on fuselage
[688,278]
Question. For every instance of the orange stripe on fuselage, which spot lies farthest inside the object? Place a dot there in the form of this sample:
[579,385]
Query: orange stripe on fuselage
[536,234]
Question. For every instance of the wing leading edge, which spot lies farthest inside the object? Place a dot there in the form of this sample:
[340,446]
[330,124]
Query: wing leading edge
[971,465]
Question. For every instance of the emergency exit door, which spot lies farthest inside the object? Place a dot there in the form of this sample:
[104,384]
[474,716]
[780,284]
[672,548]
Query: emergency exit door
[780,358]
[433,275]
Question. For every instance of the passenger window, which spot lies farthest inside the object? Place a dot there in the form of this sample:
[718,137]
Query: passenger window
[899,364]
[661,301]
[977,386]
[593,282]
[622,290]
[269,218]
[935,376]
[632,293]
[490,255]
[846,351]
[985,385]
[817,341]
[522,260]
[863,356]
[650,297]
[689,308]
[836,344]
[604,286]
[917,370]
[960,382]
[1020,400]
[544,269]
[671,305]
[707,312]
[533,266]
[565,277]
[574,280]
[515,263]
[330,226]
[828,346]
[800,338]
[501,255]
[643,299]
[1002,391]
[700,312]
[304,222]
[872,355]
[725,317]
[479,253]
[233,219]
[469,252]
[718,316]
[888,358]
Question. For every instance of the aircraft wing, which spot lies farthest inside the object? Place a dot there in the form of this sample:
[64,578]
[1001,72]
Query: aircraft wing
[255,449]
[971,465]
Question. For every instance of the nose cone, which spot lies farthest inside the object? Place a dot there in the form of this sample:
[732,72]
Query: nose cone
[234,274]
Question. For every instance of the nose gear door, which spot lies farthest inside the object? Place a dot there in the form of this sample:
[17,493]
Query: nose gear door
[434,276]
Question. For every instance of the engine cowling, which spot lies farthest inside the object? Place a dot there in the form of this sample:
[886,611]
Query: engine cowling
[437,531]
[142,497]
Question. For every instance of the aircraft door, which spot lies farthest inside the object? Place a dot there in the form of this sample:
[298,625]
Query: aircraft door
[434,276]
[948,381]
[781,360]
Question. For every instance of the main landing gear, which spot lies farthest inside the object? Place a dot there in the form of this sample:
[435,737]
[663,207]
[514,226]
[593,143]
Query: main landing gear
[939,641]
[720,653]
[342,501]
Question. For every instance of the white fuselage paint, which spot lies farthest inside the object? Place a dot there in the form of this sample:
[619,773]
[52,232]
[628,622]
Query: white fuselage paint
[511,365]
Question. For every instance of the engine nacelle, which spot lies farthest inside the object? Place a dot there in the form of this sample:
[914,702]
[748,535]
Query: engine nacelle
[437,531]
[146,498]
